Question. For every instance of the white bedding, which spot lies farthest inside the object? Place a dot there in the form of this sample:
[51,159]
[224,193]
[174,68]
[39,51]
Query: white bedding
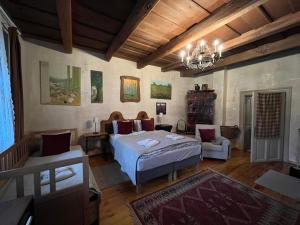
[9,192]
[128,153]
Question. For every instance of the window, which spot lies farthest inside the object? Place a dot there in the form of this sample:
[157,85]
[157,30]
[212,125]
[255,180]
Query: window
[6,104]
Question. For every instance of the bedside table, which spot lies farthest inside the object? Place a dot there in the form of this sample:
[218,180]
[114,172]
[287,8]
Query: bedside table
[166,127]
[102,137]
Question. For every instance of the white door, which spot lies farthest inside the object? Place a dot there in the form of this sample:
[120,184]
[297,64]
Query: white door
[263,150]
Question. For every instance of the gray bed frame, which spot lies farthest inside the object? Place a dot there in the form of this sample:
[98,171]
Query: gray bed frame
[147,175]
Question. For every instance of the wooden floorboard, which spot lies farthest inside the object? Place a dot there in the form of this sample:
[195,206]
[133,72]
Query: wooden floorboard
[114,210]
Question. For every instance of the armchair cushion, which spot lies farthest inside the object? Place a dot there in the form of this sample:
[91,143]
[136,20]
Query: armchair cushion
[207,146]
[207,135]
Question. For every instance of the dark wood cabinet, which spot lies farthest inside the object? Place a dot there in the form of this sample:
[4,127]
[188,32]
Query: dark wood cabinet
[200,108]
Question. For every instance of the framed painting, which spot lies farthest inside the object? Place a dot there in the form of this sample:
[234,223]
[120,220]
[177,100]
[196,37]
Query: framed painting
[161,90]
[130,89]
[161,107]
[96,87]
[60,84]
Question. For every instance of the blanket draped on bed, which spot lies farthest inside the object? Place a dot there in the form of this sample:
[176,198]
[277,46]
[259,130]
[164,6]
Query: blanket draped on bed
[129,154]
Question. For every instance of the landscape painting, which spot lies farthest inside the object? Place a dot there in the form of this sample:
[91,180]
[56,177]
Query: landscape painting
[161,90]
[96,87]
[60,84]
[130,89]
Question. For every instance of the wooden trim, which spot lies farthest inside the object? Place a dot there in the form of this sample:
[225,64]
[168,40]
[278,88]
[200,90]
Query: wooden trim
[16,155]
[229,12]
[116,115]
[138,14]
[263,50]
[142,115]
[279,25]
[122,99]
[64,12]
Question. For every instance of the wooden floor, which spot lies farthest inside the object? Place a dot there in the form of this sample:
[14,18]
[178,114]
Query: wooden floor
[114,210]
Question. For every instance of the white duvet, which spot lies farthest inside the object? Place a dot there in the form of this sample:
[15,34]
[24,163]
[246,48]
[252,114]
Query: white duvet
[133,157]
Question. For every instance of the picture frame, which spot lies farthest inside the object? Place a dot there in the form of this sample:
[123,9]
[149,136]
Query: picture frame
[96,86]
[130,89]
[161,107]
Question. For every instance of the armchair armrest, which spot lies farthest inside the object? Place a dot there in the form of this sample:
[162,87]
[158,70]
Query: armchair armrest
[225,141]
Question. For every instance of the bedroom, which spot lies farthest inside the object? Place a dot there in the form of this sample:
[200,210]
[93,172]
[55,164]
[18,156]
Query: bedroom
[99,49]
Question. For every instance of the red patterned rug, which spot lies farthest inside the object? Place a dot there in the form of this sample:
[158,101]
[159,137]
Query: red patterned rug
[210,198]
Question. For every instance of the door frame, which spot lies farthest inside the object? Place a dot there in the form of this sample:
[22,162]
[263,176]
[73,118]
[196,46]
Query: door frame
[288,102]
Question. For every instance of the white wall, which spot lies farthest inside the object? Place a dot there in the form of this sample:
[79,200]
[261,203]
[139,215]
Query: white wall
[276,73]
[41,117]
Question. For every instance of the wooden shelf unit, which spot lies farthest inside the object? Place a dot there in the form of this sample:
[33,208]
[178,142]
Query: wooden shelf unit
[200,108]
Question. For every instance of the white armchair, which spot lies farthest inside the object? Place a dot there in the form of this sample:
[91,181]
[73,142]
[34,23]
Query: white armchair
[218,150]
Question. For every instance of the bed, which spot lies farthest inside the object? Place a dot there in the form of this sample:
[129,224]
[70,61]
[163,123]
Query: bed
[67,199]
[143,164]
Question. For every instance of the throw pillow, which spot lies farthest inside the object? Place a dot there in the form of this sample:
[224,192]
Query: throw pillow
[207,135]
[125,127]
[148,125]
[53,144]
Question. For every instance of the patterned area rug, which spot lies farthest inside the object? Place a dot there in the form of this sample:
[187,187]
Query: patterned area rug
[210,198]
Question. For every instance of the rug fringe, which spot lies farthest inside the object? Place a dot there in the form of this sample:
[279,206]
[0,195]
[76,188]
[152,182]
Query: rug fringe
[133,215]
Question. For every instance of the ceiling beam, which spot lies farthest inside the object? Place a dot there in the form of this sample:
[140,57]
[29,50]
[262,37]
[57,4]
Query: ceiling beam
[263,50]
[138,14]
[229,12]
[279,25]
[64,12]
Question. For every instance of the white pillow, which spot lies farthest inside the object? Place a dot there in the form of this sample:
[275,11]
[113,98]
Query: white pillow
[137,125]
[115,126]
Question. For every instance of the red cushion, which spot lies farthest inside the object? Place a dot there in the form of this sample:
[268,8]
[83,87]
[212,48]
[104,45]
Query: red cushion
[53,144]
[148,125]
[207,135]
[125,127]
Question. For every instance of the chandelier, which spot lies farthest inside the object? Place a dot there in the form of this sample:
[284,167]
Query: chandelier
[202,56]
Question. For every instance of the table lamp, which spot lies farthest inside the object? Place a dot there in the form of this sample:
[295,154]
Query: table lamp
[95,121]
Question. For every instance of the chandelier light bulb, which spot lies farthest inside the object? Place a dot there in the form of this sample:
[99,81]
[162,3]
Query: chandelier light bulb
[200,57]
[220,49]
[182,54]
[189,46]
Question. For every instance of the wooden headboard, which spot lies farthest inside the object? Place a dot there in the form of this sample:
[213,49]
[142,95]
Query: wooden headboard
[106,125]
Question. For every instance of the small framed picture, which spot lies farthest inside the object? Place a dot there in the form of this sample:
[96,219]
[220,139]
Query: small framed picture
[161,107]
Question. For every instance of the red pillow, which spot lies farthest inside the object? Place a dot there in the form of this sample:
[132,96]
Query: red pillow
[148,125]
[207,135]
[125,127]
[53,144]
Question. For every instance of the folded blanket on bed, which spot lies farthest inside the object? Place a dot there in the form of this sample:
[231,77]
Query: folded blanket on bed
[148,143]
[174,137]
[61,173]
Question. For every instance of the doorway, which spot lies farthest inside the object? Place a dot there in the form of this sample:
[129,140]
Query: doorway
[264,149]
[247,121]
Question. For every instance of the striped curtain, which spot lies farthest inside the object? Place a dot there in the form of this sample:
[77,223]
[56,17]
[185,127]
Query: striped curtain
[268,115]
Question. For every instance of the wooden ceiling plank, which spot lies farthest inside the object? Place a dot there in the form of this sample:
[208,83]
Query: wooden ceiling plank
[209,13]
[265,13]
[263,50]
[138,14]
[64,13]
[279,25]
[226,14]
[291,5]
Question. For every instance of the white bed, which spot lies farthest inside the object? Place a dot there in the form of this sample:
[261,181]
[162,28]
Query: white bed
[133,157]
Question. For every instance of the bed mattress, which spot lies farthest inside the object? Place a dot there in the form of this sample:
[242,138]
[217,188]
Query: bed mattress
[133,157]
[9,192]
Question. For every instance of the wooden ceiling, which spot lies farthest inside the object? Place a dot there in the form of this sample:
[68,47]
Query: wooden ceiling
[153,31]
